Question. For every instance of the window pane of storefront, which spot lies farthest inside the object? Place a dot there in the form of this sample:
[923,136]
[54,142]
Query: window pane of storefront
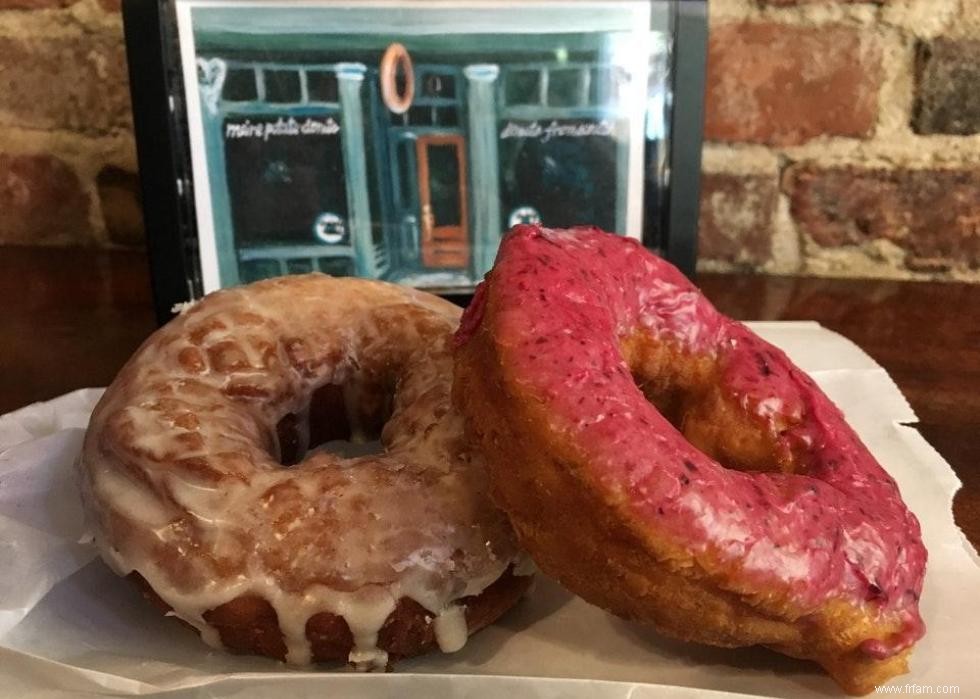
[567,180]
[279,182]
[445,184]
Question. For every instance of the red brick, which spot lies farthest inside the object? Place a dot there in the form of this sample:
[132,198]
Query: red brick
[947,99]
[77,83]
[792,3]
[736,223]
[34,4]
[122,211]
[784,85]
[934,215]
[41,202]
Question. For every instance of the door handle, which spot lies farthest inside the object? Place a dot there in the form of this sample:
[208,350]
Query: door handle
[428,219]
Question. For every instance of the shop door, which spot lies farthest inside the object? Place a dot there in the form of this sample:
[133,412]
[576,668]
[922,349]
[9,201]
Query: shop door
[442,197]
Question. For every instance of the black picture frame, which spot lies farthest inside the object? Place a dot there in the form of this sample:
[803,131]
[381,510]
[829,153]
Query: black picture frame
[161,130]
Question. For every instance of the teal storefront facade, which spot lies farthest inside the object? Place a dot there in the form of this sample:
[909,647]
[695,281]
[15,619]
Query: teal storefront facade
[309,166]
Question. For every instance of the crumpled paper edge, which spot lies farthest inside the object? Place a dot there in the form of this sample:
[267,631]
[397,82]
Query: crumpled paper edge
[44,418]
[31,671]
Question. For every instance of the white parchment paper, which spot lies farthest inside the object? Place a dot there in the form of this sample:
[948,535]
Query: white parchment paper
[69,627]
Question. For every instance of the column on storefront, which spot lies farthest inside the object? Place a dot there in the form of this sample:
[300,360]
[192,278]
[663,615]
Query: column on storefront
[350,78]
[220,245]
[484,164]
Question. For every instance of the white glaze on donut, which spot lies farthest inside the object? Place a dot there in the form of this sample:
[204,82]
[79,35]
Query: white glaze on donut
[180,469]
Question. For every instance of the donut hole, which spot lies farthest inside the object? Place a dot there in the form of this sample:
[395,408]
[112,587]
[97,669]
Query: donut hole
[667,397]
[685,391]
[719,426]
[342,419]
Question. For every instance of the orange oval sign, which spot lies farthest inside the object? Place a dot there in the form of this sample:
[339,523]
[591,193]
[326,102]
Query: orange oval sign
[395,57]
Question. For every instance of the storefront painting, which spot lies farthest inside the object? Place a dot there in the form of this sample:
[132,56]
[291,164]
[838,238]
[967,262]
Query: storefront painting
[309,168]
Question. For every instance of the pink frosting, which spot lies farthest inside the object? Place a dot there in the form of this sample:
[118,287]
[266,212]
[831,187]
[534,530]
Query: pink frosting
[564,299]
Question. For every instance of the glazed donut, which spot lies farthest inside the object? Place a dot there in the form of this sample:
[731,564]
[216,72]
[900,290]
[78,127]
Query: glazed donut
[395,57]
[199,482]
[675,468]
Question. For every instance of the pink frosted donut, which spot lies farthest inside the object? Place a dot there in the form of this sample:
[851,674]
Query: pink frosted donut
[667,464]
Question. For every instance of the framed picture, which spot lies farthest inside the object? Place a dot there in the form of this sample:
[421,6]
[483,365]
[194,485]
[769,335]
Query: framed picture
[399,139]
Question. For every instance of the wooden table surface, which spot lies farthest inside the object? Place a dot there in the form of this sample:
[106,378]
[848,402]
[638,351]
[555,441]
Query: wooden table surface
[70,318]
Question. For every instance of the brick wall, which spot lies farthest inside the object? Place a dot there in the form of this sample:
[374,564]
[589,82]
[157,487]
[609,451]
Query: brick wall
[842,134]
[67,158]
[843,138]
